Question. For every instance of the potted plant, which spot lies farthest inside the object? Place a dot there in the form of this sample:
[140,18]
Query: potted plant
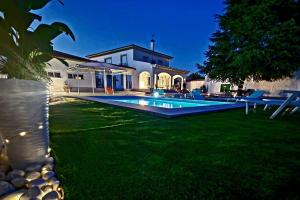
[24,53]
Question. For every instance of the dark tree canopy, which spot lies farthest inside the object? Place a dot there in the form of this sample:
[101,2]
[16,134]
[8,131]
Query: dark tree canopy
[195,76]
[258,39]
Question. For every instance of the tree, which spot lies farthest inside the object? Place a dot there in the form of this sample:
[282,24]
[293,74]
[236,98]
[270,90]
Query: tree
[257,39]
[24,51]
[194,76]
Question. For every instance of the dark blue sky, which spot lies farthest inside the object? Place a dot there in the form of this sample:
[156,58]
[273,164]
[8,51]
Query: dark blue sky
[182,28]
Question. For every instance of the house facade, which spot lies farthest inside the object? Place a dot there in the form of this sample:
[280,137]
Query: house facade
[126,68]
[152,68]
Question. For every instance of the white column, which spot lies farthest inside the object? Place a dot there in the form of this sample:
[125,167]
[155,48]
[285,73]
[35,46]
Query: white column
[124,81]
[92,77]
[68,84]
[172,81]
[112,82]
[182,80]
[105,81]
[155,79]
[78,84]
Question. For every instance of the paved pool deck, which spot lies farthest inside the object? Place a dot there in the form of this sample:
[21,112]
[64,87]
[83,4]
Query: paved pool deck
[165,112]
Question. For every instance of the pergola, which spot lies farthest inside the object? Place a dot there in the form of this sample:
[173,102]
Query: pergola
[92,67]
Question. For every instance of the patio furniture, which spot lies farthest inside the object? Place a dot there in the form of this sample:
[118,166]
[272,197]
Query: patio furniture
[292,101]
[197,94]
[254,98]
[109,90]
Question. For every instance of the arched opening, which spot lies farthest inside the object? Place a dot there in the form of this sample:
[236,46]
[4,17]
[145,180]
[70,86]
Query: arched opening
[178,82]
[144,80]
[164,81]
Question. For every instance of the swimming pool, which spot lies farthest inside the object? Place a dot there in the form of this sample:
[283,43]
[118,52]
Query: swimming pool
[168,103]
[167,107]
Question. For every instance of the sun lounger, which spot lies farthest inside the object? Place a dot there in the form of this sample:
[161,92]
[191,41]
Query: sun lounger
[254,98]
[293,101]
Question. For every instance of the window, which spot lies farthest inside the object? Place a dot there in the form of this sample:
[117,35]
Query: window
[108,60]
[51,74]
[54,74]
[80,76]
[225,88]
[57,75]
[99,80]
[74,76]
[160,62]
[128,81]
[124,59]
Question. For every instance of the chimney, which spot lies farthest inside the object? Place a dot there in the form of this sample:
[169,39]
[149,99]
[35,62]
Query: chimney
[152,44]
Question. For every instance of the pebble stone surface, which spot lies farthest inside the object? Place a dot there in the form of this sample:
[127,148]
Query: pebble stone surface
[36,182]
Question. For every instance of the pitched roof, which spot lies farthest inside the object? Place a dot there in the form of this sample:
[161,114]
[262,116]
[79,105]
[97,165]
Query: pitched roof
[132,46]
[62,55]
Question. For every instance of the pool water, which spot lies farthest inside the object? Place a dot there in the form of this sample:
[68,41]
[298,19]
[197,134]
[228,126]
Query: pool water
[170,104]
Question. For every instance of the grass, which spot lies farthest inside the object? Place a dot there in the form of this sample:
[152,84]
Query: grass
[103,152]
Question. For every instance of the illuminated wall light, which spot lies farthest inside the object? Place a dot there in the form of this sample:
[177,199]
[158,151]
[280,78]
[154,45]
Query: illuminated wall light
[22,134]
[40,127]
[49,150]
[7,141]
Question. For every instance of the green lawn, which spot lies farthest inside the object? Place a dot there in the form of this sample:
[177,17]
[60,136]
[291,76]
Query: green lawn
[103,152]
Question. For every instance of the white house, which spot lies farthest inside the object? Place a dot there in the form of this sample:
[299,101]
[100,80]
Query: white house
[152,68]
[126,68]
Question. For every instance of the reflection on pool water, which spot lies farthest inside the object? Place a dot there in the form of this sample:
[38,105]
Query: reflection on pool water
[166,103]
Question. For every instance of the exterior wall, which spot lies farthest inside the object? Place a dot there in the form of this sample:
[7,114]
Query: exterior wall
[57,84]
[116,57]
[139,56]
[214,87]
[275,87]
[60,84]
[191,85]
[138,65]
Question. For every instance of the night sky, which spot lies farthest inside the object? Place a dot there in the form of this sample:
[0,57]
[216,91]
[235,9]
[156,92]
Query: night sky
[182,28]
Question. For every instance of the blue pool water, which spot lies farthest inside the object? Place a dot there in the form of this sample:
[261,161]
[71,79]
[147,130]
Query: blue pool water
[168,103]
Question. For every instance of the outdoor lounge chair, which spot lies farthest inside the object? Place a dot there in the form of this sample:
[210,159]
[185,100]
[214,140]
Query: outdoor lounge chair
[293,101]
[283,104]
[197,94]
[255,98]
